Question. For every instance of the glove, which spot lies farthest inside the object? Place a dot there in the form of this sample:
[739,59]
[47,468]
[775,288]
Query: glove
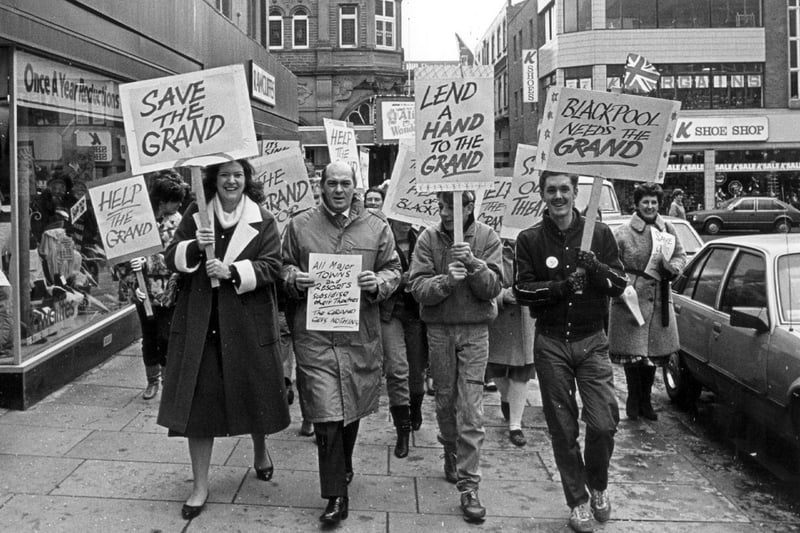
[588,261]
[137,263]
[140,295]
[576,282]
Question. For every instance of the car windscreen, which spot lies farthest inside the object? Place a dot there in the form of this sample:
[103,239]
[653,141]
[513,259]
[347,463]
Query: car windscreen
[789,287]
[608,200]
[688,239]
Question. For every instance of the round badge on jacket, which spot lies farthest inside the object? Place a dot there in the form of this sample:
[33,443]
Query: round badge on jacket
[551,262]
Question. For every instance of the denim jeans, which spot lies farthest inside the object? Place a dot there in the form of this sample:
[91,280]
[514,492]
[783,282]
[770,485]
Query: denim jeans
[395,362]
[560,365]
[458,354]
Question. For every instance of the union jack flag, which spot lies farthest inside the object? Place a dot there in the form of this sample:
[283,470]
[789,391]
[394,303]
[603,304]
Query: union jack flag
[640,75]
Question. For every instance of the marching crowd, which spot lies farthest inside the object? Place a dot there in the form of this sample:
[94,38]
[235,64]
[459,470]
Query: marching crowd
[429,304]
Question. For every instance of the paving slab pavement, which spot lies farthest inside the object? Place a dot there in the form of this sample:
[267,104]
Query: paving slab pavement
[90,457]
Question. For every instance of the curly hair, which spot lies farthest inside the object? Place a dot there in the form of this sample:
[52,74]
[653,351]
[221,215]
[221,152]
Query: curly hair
[253,189]
[648,189]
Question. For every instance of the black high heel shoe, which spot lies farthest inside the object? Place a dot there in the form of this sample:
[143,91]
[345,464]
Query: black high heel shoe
[265,474]
[336,511]
[192,511]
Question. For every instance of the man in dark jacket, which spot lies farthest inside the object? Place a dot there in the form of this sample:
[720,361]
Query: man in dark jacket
[567,290]
[456,284]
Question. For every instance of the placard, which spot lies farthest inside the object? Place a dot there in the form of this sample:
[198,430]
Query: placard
[124,217]
[200,118]
[275,147]
[616,136]
[334,302]
[403,201]
[342,146]
[524,206]
[454,127]
[493,206]
[286,184]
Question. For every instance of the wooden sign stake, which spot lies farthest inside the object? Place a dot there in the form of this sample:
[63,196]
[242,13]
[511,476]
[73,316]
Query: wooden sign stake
[148,308]
[591,218]
[200,195]
[458,217]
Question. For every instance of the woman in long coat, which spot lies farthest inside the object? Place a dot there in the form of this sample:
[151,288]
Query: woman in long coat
[511,351]
[223,373]
[643,348]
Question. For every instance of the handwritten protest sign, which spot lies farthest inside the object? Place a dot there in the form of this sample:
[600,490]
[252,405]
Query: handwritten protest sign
[127,225]
[286,184]
[276,147]
[198,118]
[342,145]
[334,301]
[454,127]
[493,206]
[403,201]
[524,206]
[616,136]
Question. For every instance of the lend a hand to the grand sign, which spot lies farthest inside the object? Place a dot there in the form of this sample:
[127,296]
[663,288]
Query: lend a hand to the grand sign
[177,120]
[616,136]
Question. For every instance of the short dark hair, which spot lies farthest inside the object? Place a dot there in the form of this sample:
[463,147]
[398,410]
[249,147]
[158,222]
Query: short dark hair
[166,187]
[253,190]
[648,189]
[446,197]
[377,190]
[549,173]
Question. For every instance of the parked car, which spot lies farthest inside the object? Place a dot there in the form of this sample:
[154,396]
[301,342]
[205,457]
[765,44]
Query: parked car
[692,242]
[609,204]
[737,307]
[746,212]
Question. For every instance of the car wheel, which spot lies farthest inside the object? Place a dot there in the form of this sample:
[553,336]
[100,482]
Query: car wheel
[782,226]
[681,387]
[712,227]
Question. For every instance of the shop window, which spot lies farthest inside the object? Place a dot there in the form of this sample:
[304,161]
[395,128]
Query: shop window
[636,14]
[300,29]
[384,24]
[348,26]
[578,77]
[577,15]
[712,86]
[275,29]
[69,134]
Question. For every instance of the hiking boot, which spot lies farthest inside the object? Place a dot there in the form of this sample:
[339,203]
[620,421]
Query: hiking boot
[601,505]
[471,506]
[153,373]
[581,519]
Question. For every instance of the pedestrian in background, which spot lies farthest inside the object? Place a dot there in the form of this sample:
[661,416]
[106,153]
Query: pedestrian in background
[643,348]
[339,373]
[570,344]
[223,375]
[456,284]
[511,351]
[676,208]
[167,192]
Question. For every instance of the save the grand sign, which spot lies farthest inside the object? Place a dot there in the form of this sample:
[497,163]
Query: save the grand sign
[721,129]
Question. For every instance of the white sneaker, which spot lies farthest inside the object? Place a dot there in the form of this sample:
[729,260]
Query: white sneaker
[581,519]
[601,505]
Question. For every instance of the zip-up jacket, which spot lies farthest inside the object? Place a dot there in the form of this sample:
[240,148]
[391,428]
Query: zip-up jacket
[544,258]
[472,301]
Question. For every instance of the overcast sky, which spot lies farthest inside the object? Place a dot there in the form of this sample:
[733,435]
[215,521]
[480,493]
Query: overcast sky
[429,26]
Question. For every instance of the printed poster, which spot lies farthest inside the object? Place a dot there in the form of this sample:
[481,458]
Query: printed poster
[286,184]
[334,302]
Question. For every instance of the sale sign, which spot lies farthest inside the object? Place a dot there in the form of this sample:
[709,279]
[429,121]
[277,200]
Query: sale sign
[615,136]
[194,119]
[454,127]
[286,184]
[124,217]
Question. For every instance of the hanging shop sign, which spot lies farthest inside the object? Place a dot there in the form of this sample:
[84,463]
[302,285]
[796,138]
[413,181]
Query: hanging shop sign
[530,76]
[262,85]
[721,129]
[395,120]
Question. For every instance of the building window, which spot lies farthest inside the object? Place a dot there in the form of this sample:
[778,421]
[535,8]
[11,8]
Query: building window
[577,15]
[384,24]
[347,26]
[635,14]
[224,7]
[300,29]
[631,14]
[275,29]
[578,77]
[252,21]
[794,50]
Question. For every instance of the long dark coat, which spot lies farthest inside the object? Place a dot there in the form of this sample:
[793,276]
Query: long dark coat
[255,393]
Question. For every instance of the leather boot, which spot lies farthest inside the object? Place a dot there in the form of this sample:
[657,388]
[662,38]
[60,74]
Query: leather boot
[633,382]
[647,375]
[416,411]
[401,414]
[153,373]
[450,463]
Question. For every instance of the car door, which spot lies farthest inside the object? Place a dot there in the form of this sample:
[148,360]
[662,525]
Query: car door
[741,215]
[695,299]
[739,355]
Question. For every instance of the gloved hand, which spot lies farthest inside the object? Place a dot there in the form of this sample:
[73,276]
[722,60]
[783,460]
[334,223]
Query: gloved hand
[588,261]
[576,282]
[137,263]
[140,295]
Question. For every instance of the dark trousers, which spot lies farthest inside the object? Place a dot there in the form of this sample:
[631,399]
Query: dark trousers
[417,351]
[560,366]
[335,443]
[155,334]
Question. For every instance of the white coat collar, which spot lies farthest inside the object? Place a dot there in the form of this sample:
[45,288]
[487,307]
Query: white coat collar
[244,232]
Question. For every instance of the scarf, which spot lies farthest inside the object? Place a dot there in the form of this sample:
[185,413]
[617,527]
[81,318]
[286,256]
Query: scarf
[228,220]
